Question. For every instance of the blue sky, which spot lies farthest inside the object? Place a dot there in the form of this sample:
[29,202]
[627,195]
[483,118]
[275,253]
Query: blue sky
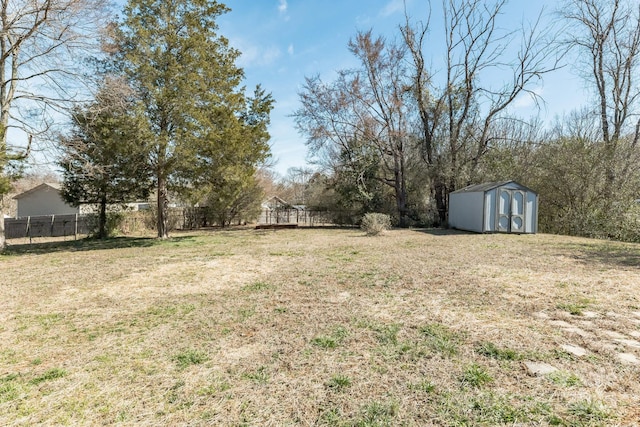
[284,41]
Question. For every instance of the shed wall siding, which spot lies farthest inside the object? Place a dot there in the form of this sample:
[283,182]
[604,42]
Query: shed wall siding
[44,202]
[490,211]
[465,211]
[531,213]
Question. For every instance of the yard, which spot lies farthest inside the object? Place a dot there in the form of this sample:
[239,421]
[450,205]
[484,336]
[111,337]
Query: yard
[321,327]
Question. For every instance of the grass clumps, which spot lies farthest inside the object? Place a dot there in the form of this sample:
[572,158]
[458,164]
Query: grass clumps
[489,349]
[564,379]
[9,388]
[475,376]
[259,376]
[590,410]
[375,223]
[49,375]
[575,308]
[377,414]
[189,357]
[440,339]
[339,382]
[331,341]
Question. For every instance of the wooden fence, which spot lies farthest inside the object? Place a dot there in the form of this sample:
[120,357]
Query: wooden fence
[47,226]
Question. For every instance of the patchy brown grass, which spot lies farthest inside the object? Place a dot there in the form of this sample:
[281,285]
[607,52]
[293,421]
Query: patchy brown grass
[320,327]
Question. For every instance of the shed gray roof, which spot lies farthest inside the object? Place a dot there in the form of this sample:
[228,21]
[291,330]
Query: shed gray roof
[481,188]
[53,185]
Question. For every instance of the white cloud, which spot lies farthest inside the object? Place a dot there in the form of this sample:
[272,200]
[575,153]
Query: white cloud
[392,7]
[290,49]
[270,55]
[283,8]
[528,100]
[255,55]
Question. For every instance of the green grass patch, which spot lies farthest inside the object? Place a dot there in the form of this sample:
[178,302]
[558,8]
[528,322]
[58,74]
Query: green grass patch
[589,411]
[332,340]
[564,379]
[190,357]
[575,308]
[339,382]
[440,339]
[376,414]
[260,375]
[214,389]
[51,374]
[10,388]
[424,386]
[489,349]
[475,375]
[257,287]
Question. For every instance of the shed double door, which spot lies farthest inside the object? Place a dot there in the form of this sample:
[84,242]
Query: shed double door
[511,211]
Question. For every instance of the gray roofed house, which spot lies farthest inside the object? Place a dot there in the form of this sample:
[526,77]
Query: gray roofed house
[44,199]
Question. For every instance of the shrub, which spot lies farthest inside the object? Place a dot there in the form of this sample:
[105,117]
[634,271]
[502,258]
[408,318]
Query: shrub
[375,223]
[112,226]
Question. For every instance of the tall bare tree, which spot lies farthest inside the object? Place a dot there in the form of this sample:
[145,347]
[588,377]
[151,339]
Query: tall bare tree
[362,121]
[606,35]
[483,76]
[42,46]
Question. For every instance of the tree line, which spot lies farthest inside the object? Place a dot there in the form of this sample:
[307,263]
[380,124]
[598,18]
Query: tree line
[395,134]
[168,115]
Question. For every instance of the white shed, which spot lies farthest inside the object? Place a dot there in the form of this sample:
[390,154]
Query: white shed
[494,207]
[45,199]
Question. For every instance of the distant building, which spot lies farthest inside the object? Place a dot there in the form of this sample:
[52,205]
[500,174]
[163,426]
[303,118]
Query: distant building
[45,199]
[277,211]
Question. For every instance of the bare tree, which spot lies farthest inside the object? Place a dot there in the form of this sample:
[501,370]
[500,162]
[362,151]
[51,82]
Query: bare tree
[459,111]
[297,180]
[42,47]
[363,120]
[606,35]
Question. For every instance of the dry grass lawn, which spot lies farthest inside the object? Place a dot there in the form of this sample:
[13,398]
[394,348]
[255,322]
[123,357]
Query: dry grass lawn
[321,327]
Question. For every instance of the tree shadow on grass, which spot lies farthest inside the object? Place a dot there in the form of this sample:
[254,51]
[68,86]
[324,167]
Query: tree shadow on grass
[615,254]
[90,244]
[440,232]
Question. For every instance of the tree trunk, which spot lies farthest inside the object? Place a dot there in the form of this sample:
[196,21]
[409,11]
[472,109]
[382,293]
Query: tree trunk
[2,238]
[163,209]
[102,219]
[440,196]
[401,194]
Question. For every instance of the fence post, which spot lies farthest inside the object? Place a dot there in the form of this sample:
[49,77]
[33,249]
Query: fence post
[29,228]
[75,231]
[53,218]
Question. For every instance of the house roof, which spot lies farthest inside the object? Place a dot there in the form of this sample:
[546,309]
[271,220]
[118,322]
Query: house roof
[52,185]
[481,188]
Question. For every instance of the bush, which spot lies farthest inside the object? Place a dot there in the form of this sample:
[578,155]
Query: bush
[112,227]
[375,223]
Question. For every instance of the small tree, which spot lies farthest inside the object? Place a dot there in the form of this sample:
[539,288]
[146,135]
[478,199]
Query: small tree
[238,198]
[104,158]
